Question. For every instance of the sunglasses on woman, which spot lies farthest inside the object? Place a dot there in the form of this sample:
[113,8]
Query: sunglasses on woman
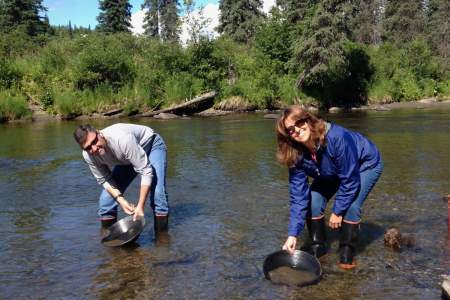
[299,123]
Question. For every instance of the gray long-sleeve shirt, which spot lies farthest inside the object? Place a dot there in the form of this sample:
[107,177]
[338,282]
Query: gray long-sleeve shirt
[127,144]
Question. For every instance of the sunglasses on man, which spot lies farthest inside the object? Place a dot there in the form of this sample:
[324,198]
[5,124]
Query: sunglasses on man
[88,148]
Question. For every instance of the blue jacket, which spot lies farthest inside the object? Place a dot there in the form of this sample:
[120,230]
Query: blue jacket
[346,153]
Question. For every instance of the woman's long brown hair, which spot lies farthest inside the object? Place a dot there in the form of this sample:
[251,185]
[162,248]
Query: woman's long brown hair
[290,151]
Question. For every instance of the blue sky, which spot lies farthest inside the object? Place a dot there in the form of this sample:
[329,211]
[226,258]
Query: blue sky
[84,12]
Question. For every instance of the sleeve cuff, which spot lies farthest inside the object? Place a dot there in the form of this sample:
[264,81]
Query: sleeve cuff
[146,180]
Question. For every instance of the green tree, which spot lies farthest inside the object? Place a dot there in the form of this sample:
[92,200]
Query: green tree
[24,15]
[295,10]
[240,18]
[169,22]
[367,21]
[404,20]
[151,18]
[196,22]
[115,16]
[439,29]
[326,58]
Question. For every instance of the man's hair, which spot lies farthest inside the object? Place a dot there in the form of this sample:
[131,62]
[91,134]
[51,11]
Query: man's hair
[81,133]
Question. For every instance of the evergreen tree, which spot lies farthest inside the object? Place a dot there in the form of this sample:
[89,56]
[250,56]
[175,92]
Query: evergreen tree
[24,14]
[404,20]
[151,17]
[169,21]
[239,18]
[332,68]
[70,29]
[295,10]
[366,24]
[439,28]
[161,19]
[115,16]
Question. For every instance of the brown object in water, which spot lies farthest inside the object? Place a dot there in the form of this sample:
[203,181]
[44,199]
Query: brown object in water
[395,240]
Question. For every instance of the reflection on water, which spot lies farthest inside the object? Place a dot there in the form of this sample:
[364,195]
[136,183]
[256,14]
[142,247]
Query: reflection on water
[229,204]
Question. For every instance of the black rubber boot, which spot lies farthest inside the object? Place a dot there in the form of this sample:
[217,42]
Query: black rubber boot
[105,224]
[347,245]
[317,233]
[161,224]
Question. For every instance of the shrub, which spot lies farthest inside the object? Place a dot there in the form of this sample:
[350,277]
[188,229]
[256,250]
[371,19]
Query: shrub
[98,65]
[12,106]
[182,86]
[67,104]
[10,76]
[404,86]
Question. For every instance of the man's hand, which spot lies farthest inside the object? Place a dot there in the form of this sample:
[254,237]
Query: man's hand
[290,244]
[335,221]
[127,207]
[138,212]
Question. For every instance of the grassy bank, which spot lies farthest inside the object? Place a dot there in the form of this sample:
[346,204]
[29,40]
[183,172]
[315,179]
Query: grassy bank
[95,73]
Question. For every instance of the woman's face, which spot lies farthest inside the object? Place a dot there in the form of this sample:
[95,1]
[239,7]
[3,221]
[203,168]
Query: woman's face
[298,129]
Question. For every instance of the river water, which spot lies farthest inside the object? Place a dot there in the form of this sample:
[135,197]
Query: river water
[229,210]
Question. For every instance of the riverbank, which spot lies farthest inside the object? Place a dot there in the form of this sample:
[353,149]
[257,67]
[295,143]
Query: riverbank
[38,114]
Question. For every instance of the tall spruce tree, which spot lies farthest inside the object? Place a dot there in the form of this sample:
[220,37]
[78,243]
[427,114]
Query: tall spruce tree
[169,22]
[239,18]
[438,29]
[151,17]
[331,68]
[295,10]
[404,20]
[24,14]
[161,19]
[367,22]
[115,16]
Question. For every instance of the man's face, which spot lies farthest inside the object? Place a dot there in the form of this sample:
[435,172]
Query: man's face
[94,144]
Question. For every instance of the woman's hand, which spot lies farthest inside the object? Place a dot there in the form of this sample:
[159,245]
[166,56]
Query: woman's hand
[290,244]
[335,221]
[127,207]
[138,212]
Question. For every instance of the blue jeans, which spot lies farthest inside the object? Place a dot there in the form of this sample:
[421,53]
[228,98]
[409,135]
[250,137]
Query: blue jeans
[323,190]
[124,175]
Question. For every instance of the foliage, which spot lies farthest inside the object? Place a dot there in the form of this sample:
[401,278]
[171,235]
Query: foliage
[100,63]
[273,39]
[329,48]
[151,18]
[239,18]
[115,16]
[169,20]
[333,69]
[13,106]
[403,20]
[24,15]
[10,76]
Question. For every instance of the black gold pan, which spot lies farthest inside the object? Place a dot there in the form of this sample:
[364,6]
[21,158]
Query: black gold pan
[299,269]
[124,231]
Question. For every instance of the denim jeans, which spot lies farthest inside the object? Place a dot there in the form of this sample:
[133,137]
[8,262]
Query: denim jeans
[124,175]
[323,190]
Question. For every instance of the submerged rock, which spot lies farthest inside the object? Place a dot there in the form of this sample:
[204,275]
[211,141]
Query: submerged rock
[395,240]
[166,116]
[334,109]
[271,116]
